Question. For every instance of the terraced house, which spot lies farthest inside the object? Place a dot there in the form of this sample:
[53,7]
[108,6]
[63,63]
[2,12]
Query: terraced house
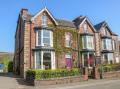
[108,44]
[44,42]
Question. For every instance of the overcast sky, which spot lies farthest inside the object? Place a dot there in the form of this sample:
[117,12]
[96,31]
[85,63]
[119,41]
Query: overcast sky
[96,10]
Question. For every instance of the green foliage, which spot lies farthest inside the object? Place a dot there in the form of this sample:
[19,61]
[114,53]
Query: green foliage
[59,45]
[47,74]
[109,67]
[8,65]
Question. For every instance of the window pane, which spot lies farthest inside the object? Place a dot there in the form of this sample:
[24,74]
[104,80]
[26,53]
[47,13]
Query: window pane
[110,58]
[85,58]
[85,28]
[46,33]
[38,60]
[47,60]
[46,41]
[89,43]
[68,39]
[39,37]
[84,42]
[46,37]
[44,20]
[68,57]
[105,58]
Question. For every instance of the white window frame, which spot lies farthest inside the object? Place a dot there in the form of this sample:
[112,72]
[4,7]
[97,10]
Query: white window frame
[44,20]
[88,39]
[42,44]
[67,40]
[53,65]
[108,44]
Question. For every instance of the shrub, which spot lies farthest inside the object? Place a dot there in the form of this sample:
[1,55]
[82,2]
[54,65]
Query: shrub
[10,66]
[47,74]
[109,67]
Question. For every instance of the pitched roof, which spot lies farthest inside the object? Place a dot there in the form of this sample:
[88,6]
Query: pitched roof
[60,22]
[98,26]
[78,20]
[101,24]
[45,9]
[114,34]
[65,23]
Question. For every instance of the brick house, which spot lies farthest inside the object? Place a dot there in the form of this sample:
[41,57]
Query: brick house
[107,44]
[44,42]
[86,41]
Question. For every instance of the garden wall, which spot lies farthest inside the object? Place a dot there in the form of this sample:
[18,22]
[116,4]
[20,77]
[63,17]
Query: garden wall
[111,75]
[54,81]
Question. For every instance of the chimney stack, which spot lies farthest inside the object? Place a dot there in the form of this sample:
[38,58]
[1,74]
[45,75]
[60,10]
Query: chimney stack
[24,12]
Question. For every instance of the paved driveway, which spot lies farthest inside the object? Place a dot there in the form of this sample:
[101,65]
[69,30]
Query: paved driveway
[10,81]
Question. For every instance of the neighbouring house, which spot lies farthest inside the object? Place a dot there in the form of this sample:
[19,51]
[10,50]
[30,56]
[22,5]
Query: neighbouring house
[44,42]
[108,44]
[86,41]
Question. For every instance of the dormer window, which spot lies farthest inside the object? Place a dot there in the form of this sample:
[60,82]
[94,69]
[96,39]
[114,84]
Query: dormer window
[44,20]
[85,28]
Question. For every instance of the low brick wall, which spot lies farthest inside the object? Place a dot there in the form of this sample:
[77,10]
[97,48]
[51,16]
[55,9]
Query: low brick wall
[111,75]
[55,81]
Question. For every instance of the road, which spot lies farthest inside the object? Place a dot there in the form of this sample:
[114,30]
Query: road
[91,84]
[9,81]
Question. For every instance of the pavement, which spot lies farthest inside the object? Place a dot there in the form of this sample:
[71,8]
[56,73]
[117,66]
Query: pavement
[10,81]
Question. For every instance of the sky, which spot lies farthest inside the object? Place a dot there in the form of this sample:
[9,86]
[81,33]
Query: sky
[95,10]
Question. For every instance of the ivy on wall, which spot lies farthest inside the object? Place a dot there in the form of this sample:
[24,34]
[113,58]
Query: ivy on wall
[59,42]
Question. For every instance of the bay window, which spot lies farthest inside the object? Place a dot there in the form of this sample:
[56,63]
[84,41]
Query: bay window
[88,59]
[44,60]
[106,44]
[44,38]
[87,42]
[108,58]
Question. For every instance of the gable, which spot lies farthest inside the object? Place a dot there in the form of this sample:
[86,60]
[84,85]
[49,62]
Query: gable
[105,31]
[38,16]
[90,26]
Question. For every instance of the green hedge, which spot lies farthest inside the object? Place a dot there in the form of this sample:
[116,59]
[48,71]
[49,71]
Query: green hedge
[109,67]
[47,74]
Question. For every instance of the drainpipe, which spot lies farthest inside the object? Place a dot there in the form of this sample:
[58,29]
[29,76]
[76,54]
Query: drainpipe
[95,48]
[19,47]
[79,66]
[30,43]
